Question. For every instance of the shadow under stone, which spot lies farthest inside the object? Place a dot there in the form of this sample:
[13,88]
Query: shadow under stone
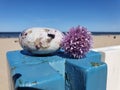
[24,52]
[27,88]
[59,53]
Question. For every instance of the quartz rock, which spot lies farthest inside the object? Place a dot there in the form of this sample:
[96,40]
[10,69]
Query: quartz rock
[41,40]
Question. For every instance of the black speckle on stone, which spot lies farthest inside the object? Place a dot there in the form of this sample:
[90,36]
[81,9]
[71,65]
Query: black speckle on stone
[51,36]
[37,47]
[25,34]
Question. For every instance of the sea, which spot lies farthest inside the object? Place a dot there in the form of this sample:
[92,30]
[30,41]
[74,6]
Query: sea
[16,34]
[9,34]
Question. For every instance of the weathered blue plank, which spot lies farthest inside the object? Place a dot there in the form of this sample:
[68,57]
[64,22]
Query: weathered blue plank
[85,75]
[30,71]
[16,58]
[41,76]
[38,72]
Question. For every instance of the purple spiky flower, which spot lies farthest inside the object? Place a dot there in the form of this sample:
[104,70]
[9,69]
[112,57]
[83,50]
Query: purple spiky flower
[77,42]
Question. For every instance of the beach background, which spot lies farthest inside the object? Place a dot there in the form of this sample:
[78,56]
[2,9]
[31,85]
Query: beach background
[99,16]
[11,42]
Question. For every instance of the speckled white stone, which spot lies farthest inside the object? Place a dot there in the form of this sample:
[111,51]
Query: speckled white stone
[41,40]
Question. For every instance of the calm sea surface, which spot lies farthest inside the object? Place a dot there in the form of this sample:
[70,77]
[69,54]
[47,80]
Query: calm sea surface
[16,34]
[9,34]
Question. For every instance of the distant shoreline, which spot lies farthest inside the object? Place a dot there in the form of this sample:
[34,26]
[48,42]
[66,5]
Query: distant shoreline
[9,34]
[16,34]
[105,33]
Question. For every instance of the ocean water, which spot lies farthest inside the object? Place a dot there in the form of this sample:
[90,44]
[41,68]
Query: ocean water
[106,33]
[9,34]
[16,34]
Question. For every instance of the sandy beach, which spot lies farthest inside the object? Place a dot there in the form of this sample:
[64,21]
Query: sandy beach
[6,44]
[105,40]
[9,44]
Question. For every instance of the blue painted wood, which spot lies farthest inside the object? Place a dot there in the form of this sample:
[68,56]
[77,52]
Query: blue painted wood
[17,58]
[85,75]
[38,72]
[40,76]
[30,71]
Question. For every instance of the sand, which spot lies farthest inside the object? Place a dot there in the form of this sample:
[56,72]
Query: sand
[6,44]
[10,44]
[105,40]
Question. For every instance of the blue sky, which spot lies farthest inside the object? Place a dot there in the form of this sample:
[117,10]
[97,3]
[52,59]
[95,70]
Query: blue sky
[96,15]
